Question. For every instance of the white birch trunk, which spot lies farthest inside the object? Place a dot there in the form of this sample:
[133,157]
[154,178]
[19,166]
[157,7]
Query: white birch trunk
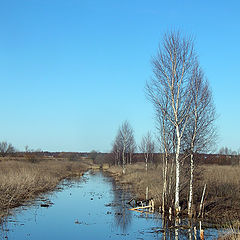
[123,159]
[190,186]
[192,164]
[201,204]
[146,161]
[165,184]
[170,179]
[177,189]
[163,193]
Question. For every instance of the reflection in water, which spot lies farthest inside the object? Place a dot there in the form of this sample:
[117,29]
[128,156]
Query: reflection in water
[189,230]
[4,230]
[176,227]
[122,215]
[94,208]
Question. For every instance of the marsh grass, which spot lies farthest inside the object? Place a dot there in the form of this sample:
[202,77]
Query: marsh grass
[232,232]
[21,180]
[223,194]
[222,200]
[139,179]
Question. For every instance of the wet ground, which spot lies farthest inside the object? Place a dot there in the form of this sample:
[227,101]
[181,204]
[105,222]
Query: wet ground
[92,208]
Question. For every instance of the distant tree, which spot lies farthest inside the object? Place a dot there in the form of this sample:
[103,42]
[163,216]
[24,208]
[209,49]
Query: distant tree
[234,153]
[126,135]
[32,155]
[73,157]
[131,146]
[93,154]
[124,145]
[117,148]
[225,151]
[6,148]
[147,147]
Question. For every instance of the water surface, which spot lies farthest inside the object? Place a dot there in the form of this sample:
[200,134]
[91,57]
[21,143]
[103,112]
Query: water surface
[92,208]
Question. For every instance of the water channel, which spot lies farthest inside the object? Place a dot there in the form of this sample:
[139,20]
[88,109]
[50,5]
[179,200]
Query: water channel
[93,207]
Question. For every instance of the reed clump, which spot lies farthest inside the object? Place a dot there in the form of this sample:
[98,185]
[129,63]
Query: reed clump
[22,180]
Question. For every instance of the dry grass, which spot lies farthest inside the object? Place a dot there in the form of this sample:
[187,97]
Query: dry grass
[233,232]
[223,191]
[21,181]
[222,201]
[139,179]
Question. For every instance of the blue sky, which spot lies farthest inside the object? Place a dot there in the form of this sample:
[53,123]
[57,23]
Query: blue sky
[72,71]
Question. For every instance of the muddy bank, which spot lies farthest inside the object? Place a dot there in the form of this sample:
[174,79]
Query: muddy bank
[222,200]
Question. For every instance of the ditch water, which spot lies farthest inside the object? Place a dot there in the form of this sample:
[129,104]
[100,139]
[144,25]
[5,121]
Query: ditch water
[93,207]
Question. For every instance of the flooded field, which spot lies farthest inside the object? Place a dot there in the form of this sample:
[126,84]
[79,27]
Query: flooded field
[92,208]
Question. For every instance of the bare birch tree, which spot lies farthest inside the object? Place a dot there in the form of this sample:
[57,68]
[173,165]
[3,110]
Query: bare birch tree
[172,68]
[131,147]
[124,145]
[147,147]
[126,135]
[115,152]
[200,134]
[117,148]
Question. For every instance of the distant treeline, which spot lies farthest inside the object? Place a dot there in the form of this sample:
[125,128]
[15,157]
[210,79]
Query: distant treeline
[98,157]
[52,154]
[201,159]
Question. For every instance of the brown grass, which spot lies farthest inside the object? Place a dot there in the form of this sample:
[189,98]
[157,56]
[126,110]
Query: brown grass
[139,179]
[233,232]
[21,181]
[222,201]
[223,191]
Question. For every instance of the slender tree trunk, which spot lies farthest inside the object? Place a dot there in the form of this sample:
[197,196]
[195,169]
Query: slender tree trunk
[163,193]
[146,165]
[124,161]
[116,157]
[191,186]
[192,164]
[146,161]
[119,156]
[170,180]
[177,188]
[165,166]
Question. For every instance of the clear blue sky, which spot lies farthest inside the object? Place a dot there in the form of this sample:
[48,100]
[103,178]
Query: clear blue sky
[72,71]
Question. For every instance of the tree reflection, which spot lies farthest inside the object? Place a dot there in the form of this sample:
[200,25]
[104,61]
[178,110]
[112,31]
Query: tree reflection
[4,228]
[122,216]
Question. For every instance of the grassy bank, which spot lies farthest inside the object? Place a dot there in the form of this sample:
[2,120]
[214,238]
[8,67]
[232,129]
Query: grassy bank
[222,200]
[21,180]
